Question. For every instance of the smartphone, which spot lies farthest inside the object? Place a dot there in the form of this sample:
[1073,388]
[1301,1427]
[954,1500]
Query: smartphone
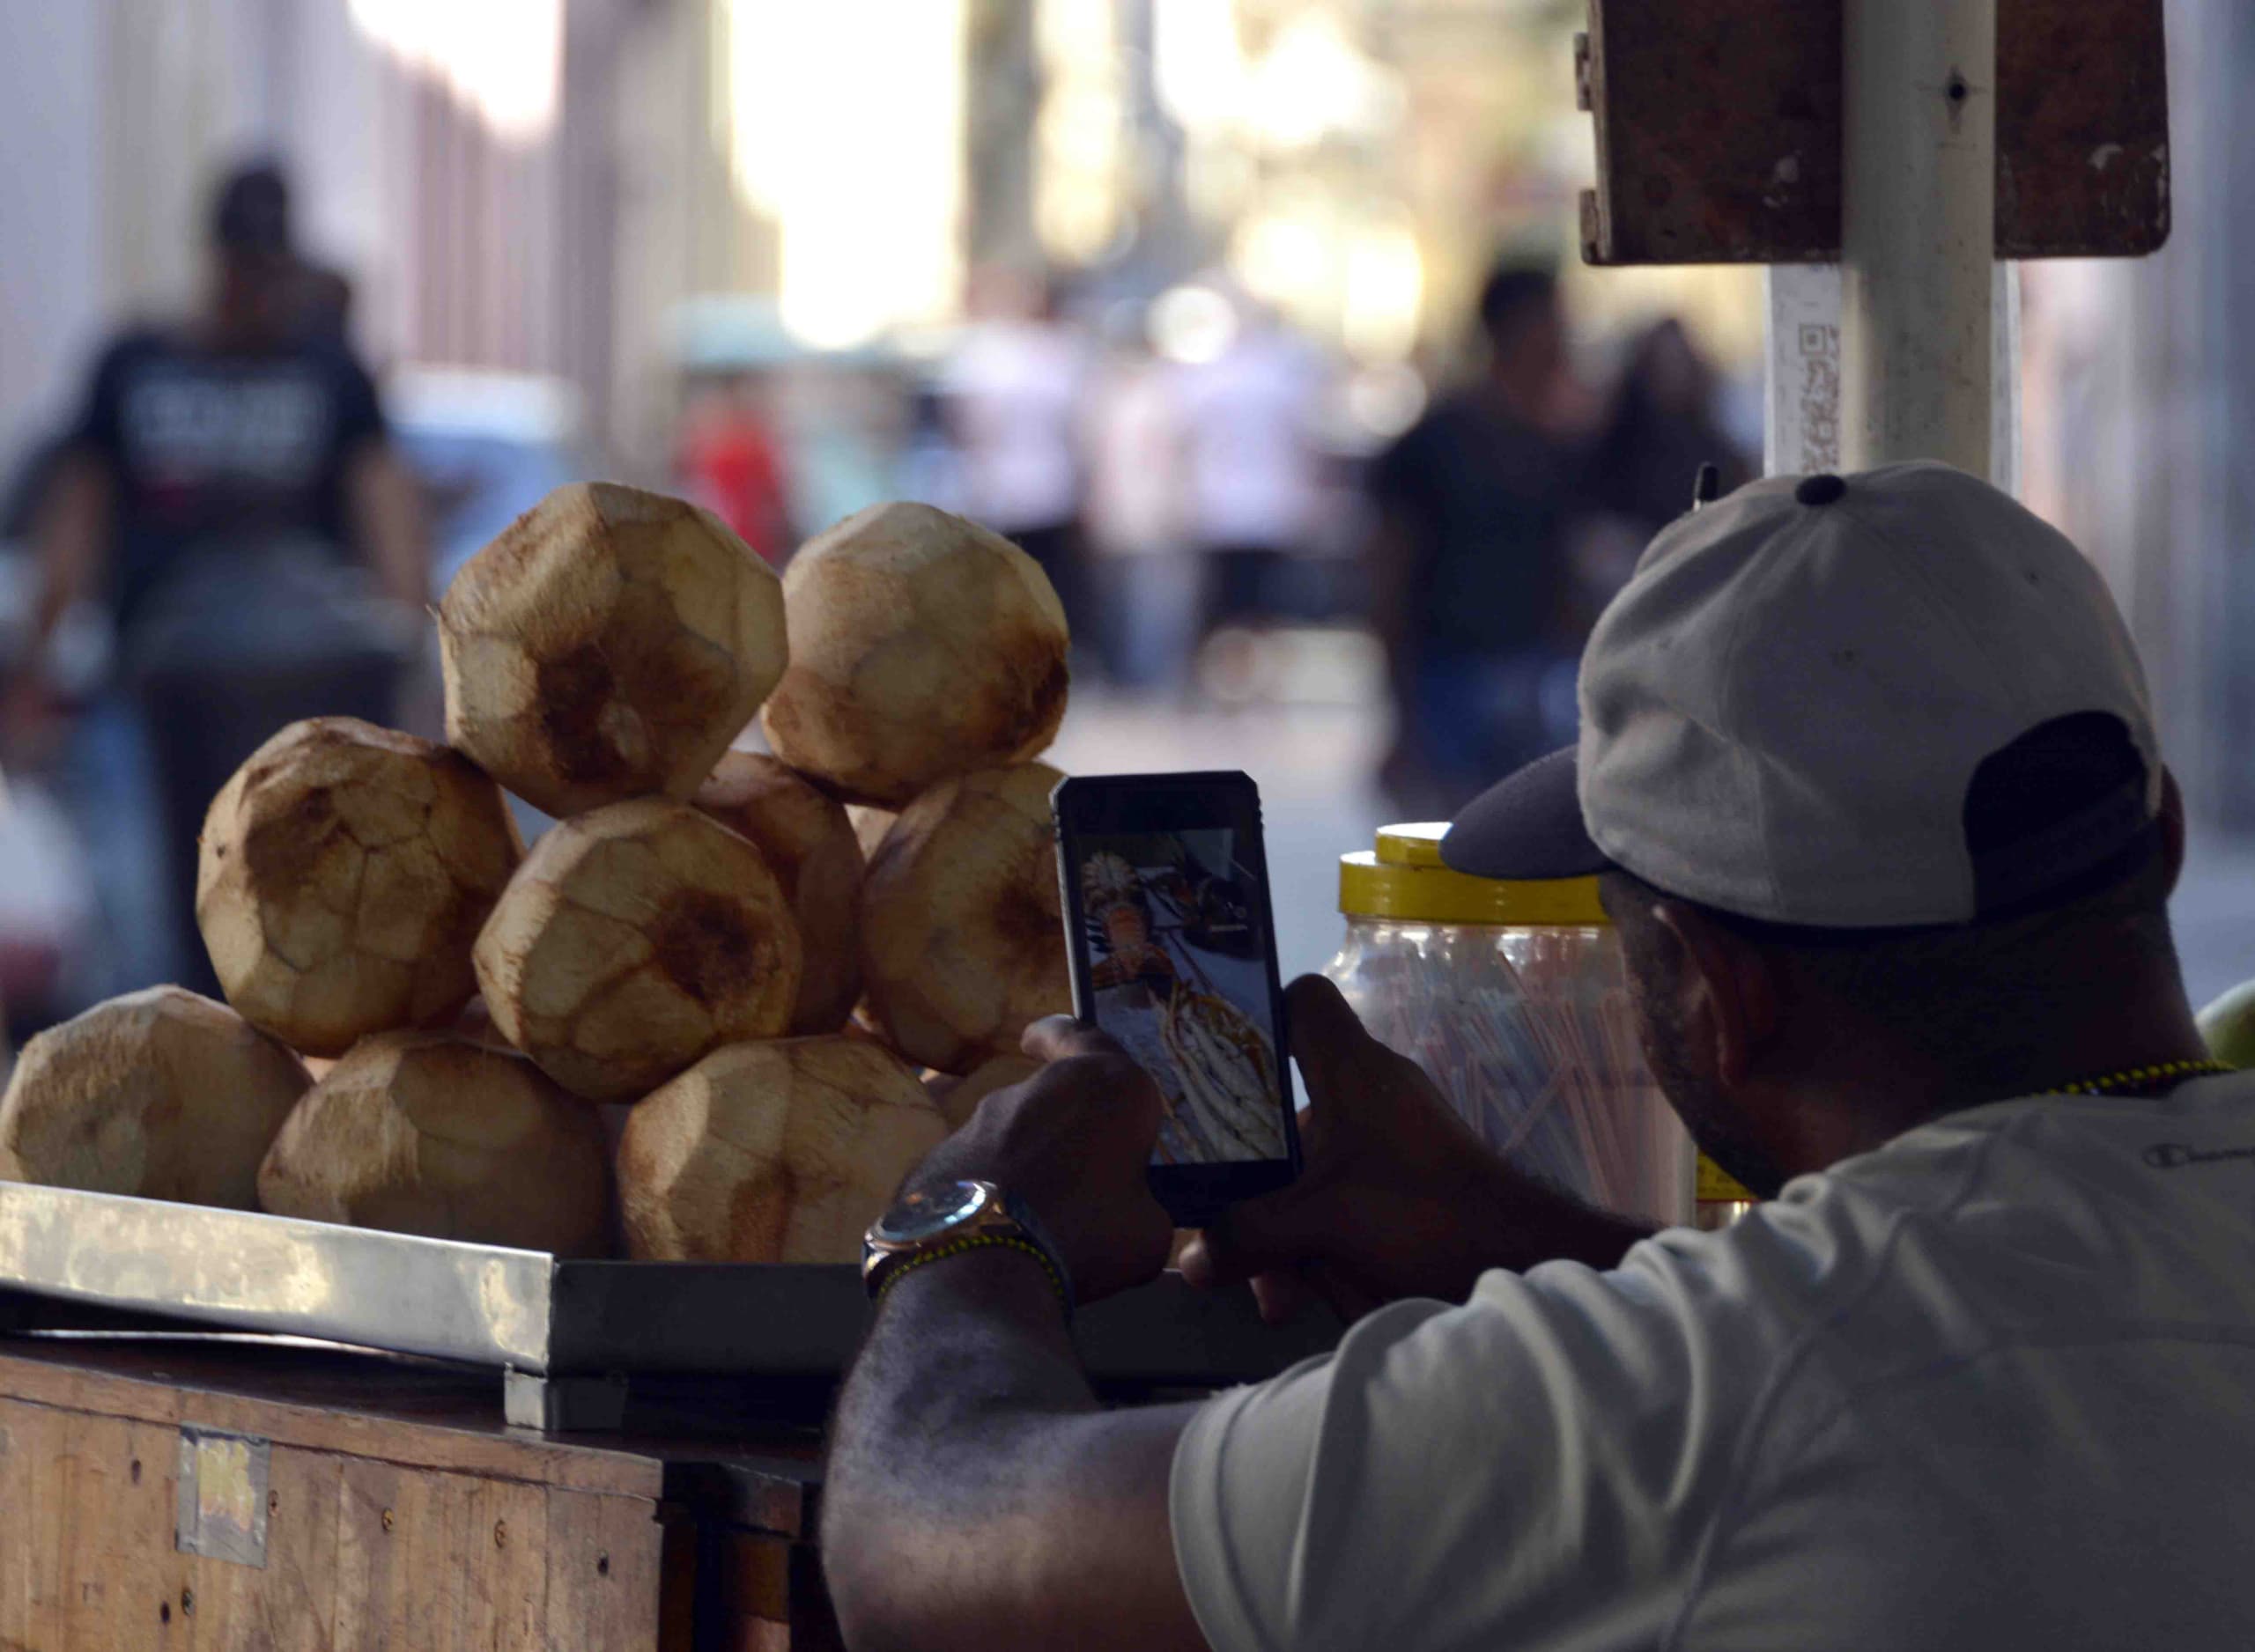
[1173,952]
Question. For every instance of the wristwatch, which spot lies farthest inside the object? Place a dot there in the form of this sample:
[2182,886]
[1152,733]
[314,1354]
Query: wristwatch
[953,1218]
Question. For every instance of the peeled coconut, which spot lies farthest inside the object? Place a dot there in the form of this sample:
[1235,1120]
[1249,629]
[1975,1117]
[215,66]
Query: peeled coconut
[161,1094]
[780,1152]
[961,942]
[958,1098]
[870,824]
[922,646]
[809,845]
[430,1133]
[609,644]
[633,940]
[343,874]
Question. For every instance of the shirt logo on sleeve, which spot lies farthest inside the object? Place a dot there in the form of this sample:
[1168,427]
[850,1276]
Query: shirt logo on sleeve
[2175,1155]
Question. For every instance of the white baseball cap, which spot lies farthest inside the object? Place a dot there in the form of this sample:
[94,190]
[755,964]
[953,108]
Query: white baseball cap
[1783,712]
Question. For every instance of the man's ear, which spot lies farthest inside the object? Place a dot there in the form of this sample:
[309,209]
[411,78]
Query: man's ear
[1728,994]
[2172,827]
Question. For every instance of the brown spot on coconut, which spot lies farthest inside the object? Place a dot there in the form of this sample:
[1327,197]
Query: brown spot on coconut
[161,1094]
[430,1133]
[961,942]
[922,646]
[958,1098]
[807,842]
[342,878]
[609,644]
[633,940]
[782,1152]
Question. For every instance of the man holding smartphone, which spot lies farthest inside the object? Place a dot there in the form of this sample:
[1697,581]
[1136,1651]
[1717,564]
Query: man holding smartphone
[1870,777]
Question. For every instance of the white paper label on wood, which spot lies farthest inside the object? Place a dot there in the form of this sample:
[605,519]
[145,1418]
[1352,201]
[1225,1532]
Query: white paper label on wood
[221,1505]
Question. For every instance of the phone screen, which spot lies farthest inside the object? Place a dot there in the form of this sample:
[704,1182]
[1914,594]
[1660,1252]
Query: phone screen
[1174,955]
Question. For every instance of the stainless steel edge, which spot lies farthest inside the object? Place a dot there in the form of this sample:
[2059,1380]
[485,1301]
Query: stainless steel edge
[241,1269]
[542,1316]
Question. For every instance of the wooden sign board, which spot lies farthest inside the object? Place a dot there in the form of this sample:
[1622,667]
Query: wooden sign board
[1719,131]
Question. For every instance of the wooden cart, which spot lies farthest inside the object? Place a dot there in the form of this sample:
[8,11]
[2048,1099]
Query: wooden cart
[209,1492]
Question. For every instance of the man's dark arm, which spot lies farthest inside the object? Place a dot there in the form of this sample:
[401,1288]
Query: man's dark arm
[978,1496]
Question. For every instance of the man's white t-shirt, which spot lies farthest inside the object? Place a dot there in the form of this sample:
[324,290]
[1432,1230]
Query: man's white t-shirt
[1992,1386]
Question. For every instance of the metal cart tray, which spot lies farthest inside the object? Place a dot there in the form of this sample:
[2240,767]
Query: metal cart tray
[571,1334]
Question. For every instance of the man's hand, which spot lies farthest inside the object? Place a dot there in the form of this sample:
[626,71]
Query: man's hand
[1072,1143]
[1398,1197]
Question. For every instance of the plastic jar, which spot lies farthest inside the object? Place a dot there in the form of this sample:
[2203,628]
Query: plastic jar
[1512,996]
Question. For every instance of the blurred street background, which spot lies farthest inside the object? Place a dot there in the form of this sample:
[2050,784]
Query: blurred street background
[1260,322]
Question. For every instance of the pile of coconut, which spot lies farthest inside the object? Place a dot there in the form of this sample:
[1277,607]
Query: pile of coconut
[690,1021]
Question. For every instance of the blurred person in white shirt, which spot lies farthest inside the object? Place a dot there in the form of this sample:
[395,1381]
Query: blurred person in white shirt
[1253,469]
[1015,388]
[1146,583]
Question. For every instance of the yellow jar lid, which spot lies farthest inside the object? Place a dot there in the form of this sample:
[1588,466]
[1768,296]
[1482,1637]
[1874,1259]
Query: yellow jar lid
[1369,887]
[1414,844]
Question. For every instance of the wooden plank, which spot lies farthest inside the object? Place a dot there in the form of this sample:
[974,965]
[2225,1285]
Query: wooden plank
[366,1493]
[147,1571]
[35,1528]
[298,1598]
[422,1607]
[508,1527]
[603,1572]
[114,1575]
[369,1430]
[1718,125]
[22,1437]
[223,1606]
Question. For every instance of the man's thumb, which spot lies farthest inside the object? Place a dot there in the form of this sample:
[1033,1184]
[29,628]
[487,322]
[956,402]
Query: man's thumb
[1327,1034]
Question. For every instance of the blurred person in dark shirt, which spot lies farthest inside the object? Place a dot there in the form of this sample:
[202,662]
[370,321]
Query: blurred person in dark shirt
[1476,506]
[247,428]
[1662,422]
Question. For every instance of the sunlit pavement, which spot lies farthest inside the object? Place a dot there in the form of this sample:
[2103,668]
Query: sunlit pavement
[1314,765]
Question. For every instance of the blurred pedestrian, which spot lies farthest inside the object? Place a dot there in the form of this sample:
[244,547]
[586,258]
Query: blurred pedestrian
[1662,421]
[221,476]
[732,464]
[1251,470]
[1015,388]
[930,465]
[1476,506]
[1146,582]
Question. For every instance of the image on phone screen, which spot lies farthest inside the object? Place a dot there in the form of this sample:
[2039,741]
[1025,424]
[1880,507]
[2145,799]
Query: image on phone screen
[1179,970]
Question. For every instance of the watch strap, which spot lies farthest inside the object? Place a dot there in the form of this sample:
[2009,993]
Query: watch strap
[1014,1208]
[1030,1243]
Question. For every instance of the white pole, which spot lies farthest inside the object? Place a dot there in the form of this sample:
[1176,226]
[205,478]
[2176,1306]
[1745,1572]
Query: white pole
[1919,232]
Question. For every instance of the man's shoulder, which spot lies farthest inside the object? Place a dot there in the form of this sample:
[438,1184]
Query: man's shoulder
[2039,1222]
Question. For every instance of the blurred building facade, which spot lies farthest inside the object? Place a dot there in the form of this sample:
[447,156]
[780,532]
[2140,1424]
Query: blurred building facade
[538,185]
[2139,411]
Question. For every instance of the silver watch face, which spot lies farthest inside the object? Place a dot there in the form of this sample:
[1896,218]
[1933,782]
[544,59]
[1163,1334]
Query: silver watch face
[928,1211]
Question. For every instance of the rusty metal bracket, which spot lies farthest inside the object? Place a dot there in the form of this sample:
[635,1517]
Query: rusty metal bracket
[1719,131]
